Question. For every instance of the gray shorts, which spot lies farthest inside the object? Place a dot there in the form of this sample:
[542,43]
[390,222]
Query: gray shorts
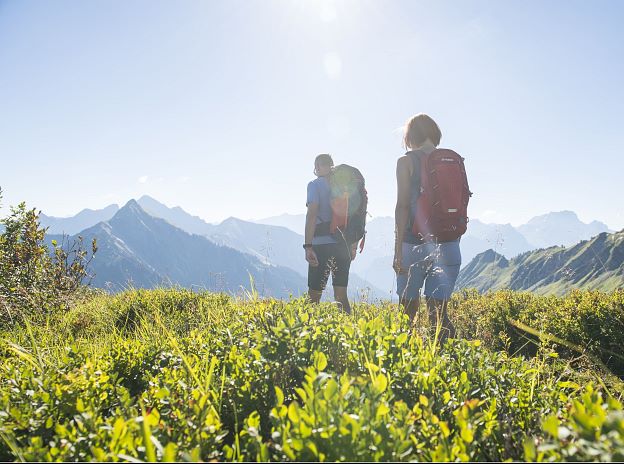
[436,265]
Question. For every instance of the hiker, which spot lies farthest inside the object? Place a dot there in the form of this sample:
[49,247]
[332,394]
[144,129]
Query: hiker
[430,216]
[334,226]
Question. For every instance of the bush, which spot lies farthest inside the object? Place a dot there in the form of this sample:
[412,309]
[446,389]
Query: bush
[204,376]
[33,279]
[593,431]
[582,323]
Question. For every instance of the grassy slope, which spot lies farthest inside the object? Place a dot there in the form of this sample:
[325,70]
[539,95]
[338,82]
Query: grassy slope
[169,374]
[594,264]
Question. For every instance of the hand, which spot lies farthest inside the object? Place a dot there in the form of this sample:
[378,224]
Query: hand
[397,264]
[311,258]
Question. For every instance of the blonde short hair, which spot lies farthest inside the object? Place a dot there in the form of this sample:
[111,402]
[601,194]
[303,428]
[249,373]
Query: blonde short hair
[418,129]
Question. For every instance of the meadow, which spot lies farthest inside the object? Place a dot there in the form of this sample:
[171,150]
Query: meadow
[170,374]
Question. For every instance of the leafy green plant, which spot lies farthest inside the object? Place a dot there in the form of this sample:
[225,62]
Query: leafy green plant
[202,376]
[581,324]
[593,431]
[34,280]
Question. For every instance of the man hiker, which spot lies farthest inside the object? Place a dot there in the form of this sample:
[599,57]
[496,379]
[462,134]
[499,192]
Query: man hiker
[430,215]
[336,213]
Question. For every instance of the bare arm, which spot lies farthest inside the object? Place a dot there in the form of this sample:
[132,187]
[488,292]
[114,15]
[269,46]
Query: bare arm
[310,224]
[309,233]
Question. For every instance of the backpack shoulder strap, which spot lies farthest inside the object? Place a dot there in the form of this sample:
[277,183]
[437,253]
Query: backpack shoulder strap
[415,156]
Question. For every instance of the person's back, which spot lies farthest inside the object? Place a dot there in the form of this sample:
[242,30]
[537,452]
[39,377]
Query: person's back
[325,254]
[420,258]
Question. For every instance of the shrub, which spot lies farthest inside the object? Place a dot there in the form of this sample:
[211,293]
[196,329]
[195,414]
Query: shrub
[274,380]
[33,279]
[582,323]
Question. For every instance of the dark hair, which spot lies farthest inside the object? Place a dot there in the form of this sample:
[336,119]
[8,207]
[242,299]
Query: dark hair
[323,159]
[418,129]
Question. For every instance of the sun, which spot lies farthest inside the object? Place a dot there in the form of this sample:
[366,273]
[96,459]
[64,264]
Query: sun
[327,11]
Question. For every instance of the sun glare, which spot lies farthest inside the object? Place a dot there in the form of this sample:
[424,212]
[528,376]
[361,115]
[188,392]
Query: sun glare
[328,11]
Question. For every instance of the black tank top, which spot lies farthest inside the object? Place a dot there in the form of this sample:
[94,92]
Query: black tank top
[408,236]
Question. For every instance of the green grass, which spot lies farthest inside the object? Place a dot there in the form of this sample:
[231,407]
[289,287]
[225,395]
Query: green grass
[590,323]
[177,375]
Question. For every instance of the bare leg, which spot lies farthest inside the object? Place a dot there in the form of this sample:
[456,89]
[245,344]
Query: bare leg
[438,313]
[411,306]
[340,295]
[314,295]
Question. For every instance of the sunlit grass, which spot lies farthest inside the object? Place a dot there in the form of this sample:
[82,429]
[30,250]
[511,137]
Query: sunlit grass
[173,374]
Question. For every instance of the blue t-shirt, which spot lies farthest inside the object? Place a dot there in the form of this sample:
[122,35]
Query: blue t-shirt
[319,192]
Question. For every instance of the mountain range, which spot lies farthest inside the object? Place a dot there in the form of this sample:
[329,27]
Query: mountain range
[550,229]
[545,231]
[146,243]
[140,250]
[556,228]
[276,241]
[270,244]
[81,221]
[294,222]
[595,264]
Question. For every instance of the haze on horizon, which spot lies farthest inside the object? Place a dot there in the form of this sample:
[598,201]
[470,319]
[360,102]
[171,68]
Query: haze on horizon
[220,107]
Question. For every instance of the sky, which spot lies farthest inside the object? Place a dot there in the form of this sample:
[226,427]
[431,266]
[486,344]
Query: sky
[221,106]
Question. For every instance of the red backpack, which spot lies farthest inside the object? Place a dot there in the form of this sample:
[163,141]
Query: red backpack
[442,206]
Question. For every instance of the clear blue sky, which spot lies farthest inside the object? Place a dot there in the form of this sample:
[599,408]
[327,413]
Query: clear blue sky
[221,106]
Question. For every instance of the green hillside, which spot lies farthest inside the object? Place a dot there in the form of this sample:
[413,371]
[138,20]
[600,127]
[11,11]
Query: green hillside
[177,375]
[596,264]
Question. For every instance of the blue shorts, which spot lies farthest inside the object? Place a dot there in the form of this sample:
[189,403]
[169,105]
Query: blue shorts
[436,265]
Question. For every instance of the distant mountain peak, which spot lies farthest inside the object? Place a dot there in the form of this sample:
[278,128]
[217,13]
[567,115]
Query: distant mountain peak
[132,204]
[565,215]
[565,212]
[559,228]
[176,216]
[81,221]
[148,198]
[83,212]
[113,207]
[130,210]
[150,203]
[146,202]
[490,256]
